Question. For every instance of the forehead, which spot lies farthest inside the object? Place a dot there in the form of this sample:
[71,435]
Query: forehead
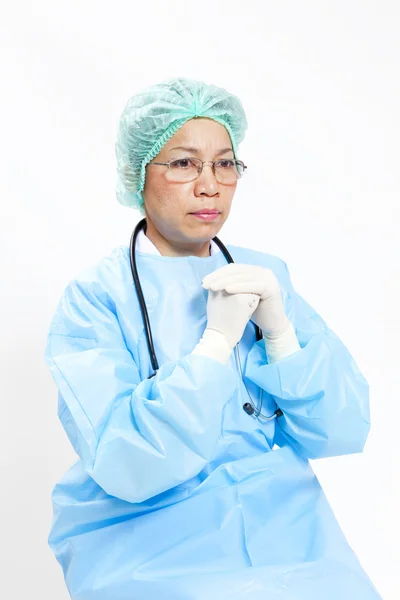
[201,133]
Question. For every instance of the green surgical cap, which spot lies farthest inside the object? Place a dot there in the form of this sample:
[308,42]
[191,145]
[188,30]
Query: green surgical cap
[151,118]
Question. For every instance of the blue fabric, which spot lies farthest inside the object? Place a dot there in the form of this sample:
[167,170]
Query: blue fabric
[178,494]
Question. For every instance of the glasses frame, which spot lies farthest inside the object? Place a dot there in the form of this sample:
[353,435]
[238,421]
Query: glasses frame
[203,162]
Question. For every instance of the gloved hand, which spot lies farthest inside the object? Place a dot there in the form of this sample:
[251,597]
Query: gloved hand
[237,279]
[278,332]
[227,317]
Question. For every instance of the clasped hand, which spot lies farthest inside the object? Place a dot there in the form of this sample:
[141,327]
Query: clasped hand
[237,278]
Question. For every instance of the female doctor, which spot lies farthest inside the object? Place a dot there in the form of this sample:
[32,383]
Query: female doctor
[194,384]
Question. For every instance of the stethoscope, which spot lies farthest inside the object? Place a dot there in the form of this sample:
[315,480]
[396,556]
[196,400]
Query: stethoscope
[248,407]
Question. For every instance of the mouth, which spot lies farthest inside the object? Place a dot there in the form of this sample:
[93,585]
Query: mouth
[206,214]
[206,211]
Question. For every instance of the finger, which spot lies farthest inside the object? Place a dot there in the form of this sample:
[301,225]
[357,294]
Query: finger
[245,285]
[245,279]
[232,279]
[237,287]
[245,288]
[228,270]
[254,302]
[227,279]
[261,282]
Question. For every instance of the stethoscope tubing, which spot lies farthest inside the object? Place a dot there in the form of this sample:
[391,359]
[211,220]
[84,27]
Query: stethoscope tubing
[249,408]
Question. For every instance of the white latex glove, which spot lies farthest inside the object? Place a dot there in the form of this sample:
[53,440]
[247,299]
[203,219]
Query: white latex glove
[227,317]
[278,332]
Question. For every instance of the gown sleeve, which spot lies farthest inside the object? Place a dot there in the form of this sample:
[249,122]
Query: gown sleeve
[136,438]
[320,389]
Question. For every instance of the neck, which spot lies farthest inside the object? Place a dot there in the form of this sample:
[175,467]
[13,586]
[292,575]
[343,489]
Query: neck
[166,248]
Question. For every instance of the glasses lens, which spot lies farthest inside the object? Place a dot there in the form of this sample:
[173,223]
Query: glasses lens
[228,171]
[183,169]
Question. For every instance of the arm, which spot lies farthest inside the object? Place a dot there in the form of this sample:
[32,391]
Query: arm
[322,393]
[136,438]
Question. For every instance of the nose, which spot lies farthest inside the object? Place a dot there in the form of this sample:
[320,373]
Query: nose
[206,182]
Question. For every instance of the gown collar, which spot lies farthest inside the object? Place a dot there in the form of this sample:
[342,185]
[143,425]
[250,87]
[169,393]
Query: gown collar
[144,244]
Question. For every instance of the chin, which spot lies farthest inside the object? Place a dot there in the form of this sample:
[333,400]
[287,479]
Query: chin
[207,226]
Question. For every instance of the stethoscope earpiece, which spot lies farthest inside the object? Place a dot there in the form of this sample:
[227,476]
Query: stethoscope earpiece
[247,407]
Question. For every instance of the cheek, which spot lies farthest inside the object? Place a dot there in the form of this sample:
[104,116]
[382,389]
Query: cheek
[164,197]
[228,194]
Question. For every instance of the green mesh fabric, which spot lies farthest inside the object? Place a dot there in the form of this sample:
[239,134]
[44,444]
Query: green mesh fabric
[151,118]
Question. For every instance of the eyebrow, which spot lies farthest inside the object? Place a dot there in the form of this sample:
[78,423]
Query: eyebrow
[196,150]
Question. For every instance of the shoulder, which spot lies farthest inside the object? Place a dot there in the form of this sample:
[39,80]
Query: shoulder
[105,270]
[104,275]
[95,286]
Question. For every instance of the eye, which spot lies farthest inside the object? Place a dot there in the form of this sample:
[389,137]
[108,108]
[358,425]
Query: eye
[226,164]
[182,163]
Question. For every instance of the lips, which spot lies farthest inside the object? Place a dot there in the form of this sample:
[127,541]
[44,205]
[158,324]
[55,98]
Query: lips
[206,211]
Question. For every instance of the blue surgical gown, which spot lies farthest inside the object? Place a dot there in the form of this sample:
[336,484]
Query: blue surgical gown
[178,494]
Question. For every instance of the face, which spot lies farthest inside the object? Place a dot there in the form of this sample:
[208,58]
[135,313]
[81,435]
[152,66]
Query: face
[169,206]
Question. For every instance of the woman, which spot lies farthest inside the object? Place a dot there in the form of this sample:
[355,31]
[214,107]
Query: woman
[183,491]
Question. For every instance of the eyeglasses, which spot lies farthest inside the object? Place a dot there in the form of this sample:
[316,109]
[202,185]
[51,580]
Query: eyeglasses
[183,170]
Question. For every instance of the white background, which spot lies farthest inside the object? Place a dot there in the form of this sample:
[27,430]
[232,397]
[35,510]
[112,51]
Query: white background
[319,82]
